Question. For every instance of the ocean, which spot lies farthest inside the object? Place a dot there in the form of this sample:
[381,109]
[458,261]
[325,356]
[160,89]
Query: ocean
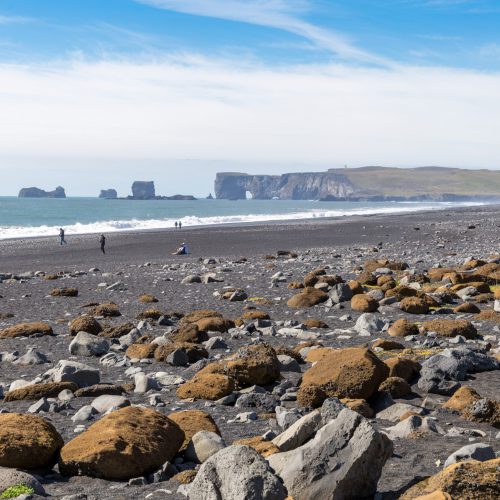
[30,217]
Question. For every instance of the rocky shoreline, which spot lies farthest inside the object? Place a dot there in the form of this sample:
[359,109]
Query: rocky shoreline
[334,359]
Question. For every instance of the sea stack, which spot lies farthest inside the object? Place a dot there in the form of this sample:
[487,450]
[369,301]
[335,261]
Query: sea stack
[34,192]
[108,194]
[143,190]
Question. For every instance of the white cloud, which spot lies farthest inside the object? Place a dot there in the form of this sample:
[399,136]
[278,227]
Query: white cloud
[279,14]
[15,20]
[211,110]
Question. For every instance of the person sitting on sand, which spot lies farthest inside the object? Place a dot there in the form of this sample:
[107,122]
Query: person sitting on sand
[61,237]
[182,250]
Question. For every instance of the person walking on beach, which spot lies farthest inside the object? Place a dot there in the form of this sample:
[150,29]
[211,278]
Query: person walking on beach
[61,237]
[176,224]
[180,225]
[102,241]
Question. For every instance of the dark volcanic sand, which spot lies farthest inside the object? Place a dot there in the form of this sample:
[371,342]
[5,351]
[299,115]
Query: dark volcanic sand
[442,238]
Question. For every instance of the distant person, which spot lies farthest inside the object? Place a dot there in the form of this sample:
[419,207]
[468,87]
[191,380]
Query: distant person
[180,225]
[102,241]
[176,224]
[61,237]
[182,250]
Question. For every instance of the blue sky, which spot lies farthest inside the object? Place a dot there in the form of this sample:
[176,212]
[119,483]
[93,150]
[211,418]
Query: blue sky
[179,89]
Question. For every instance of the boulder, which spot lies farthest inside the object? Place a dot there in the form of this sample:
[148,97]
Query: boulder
[451,328]
[259,444]
[359,406]
[397,387]
[340,293]
[13,477]
[214,324]
[212,386]
[192,422]
[467,308]
[403,328]
[86,344]
[344,460]
[364,303]
[481,452]
[203,445]
[462,399]
[78,373]
[141,351]
[236,473]
[387,345]
[125,444]
[413,427]
[369,324]
[414,305]
[35,392]
[28,442]
[485,411]
[106,310]
[190,333]
[64,292]
[26,330]
[194,352]
[106,402]
[404,368]
[354,373]
[85,323]
[253,365]
[299,432]
[467,480]
[308,297]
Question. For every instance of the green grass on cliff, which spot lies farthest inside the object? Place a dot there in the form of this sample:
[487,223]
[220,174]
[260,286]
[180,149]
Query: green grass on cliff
[423,181]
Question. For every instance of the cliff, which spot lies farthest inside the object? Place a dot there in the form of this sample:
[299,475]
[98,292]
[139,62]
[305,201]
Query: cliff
[34,192]
[109,194]
[367,183]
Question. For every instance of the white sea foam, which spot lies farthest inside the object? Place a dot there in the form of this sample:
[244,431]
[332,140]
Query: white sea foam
[111,226]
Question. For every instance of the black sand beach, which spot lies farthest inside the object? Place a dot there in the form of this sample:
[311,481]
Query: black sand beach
[142,263]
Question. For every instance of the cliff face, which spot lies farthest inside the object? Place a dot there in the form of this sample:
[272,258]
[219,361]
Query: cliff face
[367,183]
[34,192]
[307,186]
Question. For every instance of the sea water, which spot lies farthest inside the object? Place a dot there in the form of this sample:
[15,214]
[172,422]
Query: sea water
[31,217]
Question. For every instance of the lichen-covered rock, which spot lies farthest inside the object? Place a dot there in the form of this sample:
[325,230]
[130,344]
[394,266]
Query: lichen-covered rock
[259,444]
[403,328]
[37,391]
[364,303]
[141,351]
[397,387]
[191,422]
[85,323]
[194,352]
[404,368]
[106,310]
[354,373]
[308,297]
[467,480]
[28,442]
[451,328]
[64,292]
[211,386]
[462,399]
[414,305]
[26,330]
[125,444]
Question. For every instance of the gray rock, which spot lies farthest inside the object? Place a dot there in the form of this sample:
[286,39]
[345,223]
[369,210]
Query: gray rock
[369,324]
[299,432]
[478,451]
[85,344]
[331,409]
[496,306]
[238,296]
[412,425]
[203,445]
[288,364]
[215,343]
[256,401]
[143,383]
[344,460]
[397,410]
[178,358]
[32,357]
[236,473]
[12,477]
[84,414]
[39,406]
[192,278]
[71,371]
[65,395]
[340,293]
[130,337]
[105,403]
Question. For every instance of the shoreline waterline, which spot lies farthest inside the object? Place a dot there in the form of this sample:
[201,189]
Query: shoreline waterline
[307,211]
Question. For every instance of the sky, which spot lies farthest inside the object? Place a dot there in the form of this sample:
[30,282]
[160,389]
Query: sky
[98,93]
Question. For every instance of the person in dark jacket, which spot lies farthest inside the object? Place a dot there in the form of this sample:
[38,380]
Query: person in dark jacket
[61,236]
[102,241]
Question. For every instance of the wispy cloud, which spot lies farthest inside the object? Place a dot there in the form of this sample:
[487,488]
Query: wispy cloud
[284,15]
[214,109]
[16,20]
